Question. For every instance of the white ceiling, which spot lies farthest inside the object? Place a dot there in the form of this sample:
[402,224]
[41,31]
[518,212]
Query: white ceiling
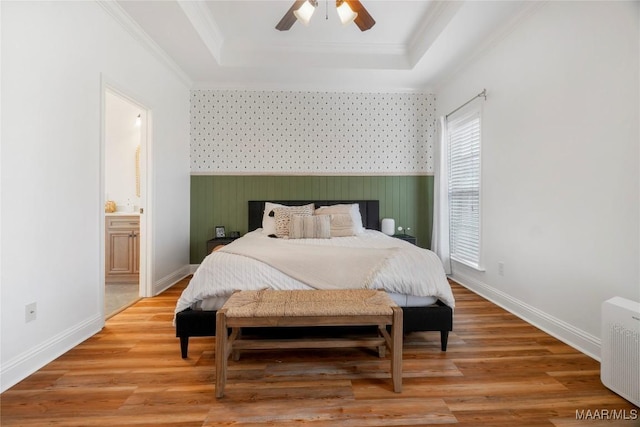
[233,44]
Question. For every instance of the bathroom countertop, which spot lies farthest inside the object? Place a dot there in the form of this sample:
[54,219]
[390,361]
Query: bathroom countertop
[120,213]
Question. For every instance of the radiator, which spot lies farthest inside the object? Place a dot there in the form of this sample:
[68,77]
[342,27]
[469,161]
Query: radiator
[620,351]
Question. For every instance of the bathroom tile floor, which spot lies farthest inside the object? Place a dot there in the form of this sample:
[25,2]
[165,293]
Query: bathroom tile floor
[119,296]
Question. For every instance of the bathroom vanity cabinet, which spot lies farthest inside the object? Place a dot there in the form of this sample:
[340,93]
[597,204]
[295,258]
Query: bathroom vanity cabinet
[122,248]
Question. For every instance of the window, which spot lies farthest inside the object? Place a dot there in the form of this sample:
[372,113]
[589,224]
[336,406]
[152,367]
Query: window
[464,187]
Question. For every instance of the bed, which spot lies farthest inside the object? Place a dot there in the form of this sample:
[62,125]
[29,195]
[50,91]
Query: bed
[412,276]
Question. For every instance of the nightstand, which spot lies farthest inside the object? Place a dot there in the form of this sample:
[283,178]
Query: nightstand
[406,238]
[218,241]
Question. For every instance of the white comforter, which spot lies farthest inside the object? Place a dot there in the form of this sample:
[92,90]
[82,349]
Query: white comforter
[410,271]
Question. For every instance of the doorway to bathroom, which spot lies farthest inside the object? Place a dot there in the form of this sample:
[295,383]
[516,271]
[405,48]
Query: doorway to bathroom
[125,166]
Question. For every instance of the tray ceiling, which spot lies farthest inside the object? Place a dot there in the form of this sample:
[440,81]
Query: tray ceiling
[413,46]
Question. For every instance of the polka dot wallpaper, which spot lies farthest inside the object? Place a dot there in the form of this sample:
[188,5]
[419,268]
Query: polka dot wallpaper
[235,132]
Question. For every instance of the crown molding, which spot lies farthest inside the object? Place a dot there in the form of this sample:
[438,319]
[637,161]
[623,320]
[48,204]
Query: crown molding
[298,87]
[500,33]
[436,20]
[132,27]
[205,25]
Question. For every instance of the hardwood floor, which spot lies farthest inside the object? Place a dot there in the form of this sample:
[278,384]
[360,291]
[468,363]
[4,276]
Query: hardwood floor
[498,371]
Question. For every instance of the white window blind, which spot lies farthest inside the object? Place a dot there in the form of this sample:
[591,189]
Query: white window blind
[464,187]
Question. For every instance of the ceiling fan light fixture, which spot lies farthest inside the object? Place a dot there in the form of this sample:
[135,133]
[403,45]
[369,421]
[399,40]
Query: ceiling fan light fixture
[305,11]
[345,13]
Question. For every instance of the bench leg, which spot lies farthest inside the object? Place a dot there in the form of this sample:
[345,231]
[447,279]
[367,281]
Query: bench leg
[396,350]
[382,349]
[221,352]
[236,333]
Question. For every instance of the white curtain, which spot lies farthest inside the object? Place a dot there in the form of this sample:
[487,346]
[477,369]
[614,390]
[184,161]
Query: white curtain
[440,232]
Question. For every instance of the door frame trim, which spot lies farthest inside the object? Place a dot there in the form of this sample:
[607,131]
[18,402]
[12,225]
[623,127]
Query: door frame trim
[146,185]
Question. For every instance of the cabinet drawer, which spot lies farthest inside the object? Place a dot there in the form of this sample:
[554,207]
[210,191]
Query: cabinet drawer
[123,222]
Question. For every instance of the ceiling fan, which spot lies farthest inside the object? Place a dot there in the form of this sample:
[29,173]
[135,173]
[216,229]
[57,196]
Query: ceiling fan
[348,10]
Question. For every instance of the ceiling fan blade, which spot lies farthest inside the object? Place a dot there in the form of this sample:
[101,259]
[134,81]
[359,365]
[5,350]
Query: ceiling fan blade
[289,18]
[364,21]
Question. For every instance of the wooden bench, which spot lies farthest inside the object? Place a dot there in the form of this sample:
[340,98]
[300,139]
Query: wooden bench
[303,308]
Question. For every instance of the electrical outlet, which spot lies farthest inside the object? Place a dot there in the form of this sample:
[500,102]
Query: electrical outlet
[30,312]
[501,268]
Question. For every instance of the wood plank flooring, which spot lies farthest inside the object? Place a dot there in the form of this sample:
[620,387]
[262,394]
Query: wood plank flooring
[498,371]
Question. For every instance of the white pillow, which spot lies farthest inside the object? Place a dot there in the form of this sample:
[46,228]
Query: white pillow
[353,210]
[342,225]
[269,222]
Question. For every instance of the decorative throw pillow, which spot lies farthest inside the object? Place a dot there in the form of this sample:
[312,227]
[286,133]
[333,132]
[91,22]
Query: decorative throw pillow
[353,210]
[269,219]
[310,227]
[283,217]
[342,225]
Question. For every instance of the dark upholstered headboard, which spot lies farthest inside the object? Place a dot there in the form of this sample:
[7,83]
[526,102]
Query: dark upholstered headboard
[369,209]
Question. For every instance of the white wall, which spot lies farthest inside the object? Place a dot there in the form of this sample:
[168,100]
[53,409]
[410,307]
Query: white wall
[560,200]
[55,56]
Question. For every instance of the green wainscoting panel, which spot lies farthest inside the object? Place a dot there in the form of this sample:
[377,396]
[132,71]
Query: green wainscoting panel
[222,200]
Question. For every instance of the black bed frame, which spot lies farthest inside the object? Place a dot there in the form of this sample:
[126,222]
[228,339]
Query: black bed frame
[437,317]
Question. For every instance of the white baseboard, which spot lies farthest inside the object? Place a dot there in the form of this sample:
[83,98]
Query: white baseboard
[171,279]
[569,334]
[25,364]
